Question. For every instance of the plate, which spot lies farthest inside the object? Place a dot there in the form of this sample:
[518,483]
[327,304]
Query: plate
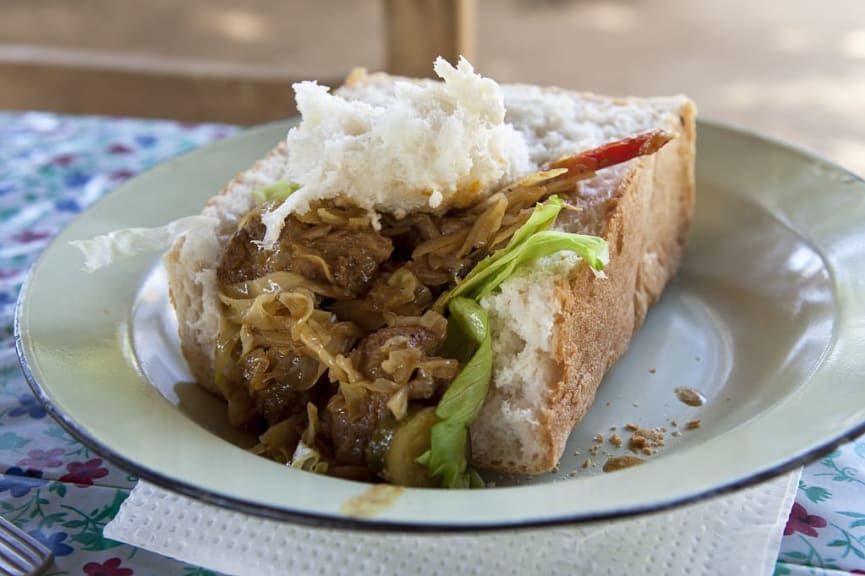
[765,320]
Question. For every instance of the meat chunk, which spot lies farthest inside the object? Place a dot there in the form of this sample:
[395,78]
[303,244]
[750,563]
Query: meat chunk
[350,436]
[372,351]
[346,258]
[295,370]
[279,381]
[352,257]
[278,401]
[242,259]
[398,292]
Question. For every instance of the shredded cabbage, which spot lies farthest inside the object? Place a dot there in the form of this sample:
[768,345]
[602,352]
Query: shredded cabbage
[469,334]
[307,458]
[469,338]
[104,250]
[277,191]
[531,241]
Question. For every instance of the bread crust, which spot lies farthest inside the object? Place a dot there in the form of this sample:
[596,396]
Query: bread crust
[646,222]
[646,225]
[187,294]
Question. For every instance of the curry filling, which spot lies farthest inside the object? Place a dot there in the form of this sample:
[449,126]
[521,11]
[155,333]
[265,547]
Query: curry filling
[335,345]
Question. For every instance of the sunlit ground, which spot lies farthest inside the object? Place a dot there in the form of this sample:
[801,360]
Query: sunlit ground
[793,69]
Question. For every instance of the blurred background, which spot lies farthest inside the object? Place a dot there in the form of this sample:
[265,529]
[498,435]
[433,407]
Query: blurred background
[793,69]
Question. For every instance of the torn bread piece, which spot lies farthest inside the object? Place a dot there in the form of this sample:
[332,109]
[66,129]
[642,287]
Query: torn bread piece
[556,330]
[556,325]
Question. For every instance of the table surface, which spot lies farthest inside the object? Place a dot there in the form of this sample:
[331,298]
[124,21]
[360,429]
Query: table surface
[793,69]
[51,168]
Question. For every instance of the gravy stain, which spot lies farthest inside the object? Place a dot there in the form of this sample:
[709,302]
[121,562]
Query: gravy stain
[372,501]
[690,396]
[622,462]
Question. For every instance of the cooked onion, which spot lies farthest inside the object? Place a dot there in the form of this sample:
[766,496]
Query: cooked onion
[485,226]
[398,403]
[274,284]
[289,328]
[309,435]
[441,244]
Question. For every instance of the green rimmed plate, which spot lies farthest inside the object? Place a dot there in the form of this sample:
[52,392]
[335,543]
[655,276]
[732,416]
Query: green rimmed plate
[765,320]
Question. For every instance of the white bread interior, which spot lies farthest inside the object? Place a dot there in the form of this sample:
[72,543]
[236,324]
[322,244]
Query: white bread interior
[556,327]
[192,261]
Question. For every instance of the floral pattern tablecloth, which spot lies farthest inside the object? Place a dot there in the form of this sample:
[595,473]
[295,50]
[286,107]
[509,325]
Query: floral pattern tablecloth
[51,168]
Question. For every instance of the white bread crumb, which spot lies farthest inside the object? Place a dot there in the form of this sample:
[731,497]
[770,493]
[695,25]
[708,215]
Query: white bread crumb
[555,124]
[522,316]
[425,146]
[524,313]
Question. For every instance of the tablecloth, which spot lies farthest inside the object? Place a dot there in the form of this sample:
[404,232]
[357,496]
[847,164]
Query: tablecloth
[51,168]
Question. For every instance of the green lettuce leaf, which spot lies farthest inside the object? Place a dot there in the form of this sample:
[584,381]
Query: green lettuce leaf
[469,340]
[542,218]
[447,455]
[277,191]
[469,327]
[469,334]
[531,241]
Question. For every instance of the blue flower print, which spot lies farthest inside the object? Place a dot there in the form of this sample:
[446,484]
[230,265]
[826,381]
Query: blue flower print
[67,205]
[54,542]
[30,406]
[146,140]
[77,179]
[20,482]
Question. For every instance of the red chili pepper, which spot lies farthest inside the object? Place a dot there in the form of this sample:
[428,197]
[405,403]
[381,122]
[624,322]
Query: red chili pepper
[586,163]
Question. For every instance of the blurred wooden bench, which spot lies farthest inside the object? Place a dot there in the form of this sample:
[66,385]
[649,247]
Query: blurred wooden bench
[74,81]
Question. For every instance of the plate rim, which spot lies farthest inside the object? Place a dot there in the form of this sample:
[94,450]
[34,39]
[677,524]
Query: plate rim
[323,520]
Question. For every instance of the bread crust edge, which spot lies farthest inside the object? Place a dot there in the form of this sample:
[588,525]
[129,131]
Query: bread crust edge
[186,293]
[647,229]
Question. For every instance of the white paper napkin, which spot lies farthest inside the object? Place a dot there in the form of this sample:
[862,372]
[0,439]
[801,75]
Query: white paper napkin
[734,534]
